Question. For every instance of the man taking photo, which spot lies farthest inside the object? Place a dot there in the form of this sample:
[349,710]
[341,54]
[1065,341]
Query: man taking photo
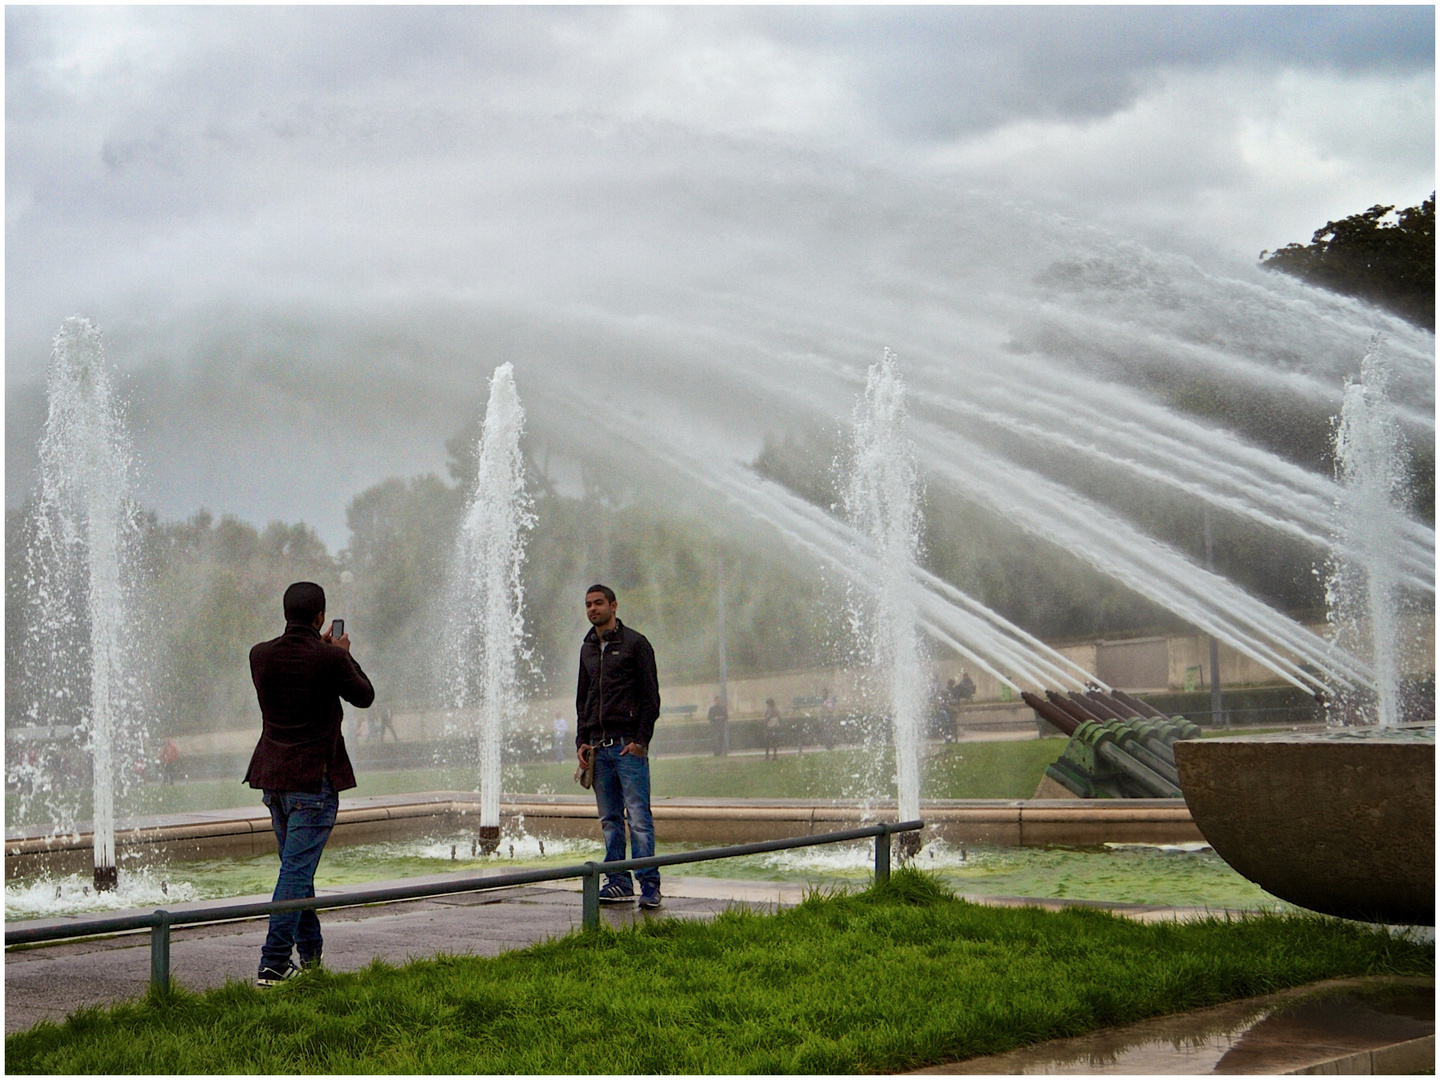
[300,761]
[616,704]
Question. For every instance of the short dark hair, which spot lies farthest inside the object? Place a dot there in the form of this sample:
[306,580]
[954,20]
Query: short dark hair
[303,602]
[609,592]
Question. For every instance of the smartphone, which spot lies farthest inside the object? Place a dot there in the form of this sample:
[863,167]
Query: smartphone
[337,629]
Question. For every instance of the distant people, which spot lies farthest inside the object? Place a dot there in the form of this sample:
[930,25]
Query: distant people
[300,761]
[387,723]
[719,722]
[966,690]
[561,730]
[827,718]
[617,701]
[771,720]
[945,700]
[169,755]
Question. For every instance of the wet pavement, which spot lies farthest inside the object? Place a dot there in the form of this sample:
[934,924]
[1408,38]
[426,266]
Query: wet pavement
[1379,1025]
[1344,1026]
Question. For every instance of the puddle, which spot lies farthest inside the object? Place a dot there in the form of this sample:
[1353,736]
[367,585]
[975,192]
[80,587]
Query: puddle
[1262,1035]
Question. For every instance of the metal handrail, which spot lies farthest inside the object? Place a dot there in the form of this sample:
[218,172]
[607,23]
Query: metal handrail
[160,921]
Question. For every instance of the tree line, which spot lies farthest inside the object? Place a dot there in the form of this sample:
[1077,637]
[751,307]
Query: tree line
[212,588]
[1389,262]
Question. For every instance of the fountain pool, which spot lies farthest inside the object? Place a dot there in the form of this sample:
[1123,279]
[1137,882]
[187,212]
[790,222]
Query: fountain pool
[1165,874]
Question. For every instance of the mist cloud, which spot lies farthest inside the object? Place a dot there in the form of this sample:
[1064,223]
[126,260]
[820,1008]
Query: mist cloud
[323,227]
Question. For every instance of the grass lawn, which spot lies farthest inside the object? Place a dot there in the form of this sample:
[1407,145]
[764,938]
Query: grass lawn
[896,977]
[967,770]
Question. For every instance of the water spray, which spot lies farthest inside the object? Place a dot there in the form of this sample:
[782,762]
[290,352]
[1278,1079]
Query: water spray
[1363,584]
[81,628]
[486,624]
[881,501]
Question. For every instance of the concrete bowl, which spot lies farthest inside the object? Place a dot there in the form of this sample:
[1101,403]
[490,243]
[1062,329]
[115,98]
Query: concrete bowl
[1340,822]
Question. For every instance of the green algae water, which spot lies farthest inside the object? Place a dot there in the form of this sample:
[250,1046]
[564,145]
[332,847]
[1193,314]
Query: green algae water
[1180,875]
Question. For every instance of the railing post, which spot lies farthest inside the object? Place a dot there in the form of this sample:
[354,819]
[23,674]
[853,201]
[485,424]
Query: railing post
[882,854]
[160,952]
[590,897]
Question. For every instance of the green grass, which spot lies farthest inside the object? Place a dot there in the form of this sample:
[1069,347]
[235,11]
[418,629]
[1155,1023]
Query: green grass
[893,978]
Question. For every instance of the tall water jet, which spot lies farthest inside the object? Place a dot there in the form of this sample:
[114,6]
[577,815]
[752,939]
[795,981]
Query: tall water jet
[1363,585]
[486,625]
[81,631]
[881,502]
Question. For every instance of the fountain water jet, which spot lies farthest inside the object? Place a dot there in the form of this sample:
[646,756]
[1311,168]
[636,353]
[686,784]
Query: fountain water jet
[1364,579]
[81,629]
[485,628]
[881,501]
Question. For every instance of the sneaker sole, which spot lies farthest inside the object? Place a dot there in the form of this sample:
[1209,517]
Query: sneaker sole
[617,899]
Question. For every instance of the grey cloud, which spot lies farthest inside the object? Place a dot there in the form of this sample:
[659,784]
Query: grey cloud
[927,72]
[935,72]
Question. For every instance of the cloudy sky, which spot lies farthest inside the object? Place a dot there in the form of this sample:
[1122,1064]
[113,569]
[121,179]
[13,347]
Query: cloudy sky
[263,205]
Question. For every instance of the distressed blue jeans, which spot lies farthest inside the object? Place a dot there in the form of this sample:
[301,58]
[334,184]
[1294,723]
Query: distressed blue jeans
[622,795]
[302,821]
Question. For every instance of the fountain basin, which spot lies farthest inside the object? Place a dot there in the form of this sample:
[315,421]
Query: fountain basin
[1341,822]
[245,832]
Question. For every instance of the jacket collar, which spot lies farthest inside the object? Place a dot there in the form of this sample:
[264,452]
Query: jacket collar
[295,629]
[593,636]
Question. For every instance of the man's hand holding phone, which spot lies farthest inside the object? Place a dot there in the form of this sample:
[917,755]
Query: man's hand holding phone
[336,635]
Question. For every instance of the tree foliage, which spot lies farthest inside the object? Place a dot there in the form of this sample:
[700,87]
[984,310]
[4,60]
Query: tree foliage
[1387,262]
[217,590]
[664,565]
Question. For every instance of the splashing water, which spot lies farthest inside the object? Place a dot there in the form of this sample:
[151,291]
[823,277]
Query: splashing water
[81,641]
[485,628]
[882,504]
[166,884]
[1363,584]
[71,894]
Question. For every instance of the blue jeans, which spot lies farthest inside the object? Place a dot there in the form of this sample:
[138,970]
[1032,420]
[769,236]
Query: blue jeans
[622,792]
[302,821]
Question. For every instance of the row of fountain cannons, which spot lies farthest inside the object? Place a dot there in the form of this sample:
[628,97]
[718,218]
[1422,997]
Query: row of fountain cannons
[1120,747]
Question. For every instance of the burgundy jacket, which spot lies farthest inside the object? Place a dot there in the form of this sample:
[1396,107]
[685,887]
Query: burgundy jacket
[300,680]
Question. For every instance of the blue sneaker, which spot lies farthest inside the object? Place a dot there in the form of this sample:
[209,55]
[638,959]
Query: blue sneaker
[615,893]
[649,901]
